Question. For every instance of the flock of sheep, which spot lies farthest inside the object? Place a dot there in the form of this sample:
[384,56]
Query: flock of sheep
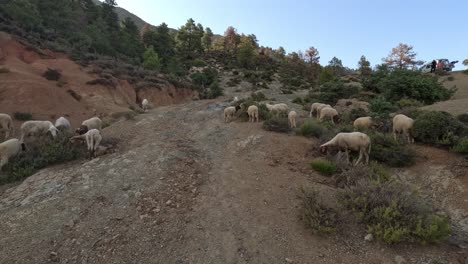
[32,131]
[352,141]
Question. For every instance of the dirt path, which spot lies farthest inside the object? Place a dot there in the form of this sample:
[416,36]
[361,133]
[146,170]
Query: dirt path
[184,188]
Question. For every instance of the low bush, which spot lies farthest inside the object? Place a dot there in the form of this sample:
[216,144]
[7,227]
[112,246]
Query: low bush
[381,108]
[463,118]
[311,129]
[405,102]
[324,167]
[52,74]
[439,128]
[277,124]
[331,92]
[233,82]
[198,63]
[462,146]
[395,213]
[258,96]
[215,90]
[350,177]
[41,155]
[22,116]
[263,112]
[74,95]
[316,215]
[390,152]
[298,100]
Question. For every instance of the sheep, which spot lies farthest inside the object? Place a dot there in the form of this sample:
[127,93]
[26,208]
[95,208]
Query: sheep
[63,124]
[145,105]
[9,149]
[278,108]
[37,129]
[314,109]
[229,113]
[92,123]
[93,138]
[292,119]
[319,109]
[328,112]
[236,99]
[253,113]
[355,141]
[363,122]
[6,125]
[403,124]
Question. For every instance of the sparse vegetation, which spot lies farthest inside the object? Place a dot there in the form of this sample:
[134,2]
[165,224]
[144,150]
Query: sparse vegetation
[311,129]
[439,128]
[277,124]
[324,167]
[462,146]
[52,74]
[316,215]
[395,213]
[386,150]
[258,96]
[22,116]
[74,95]
[463,118]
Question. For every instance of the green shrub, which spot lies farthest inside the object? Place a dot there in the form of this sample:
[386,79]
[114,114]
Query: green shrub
[380,107]
[390,152]
[198,63]
[350,177]
[463,118]
[39,156]
[450,78]
[395,213]
[263,112]
[355,113]
[277,124]
[405,102]
[215,90]
[316,215]
[438,128]
[258,96]
[22,116]
[331,92]
[462,146]
[298,100]
[233,82]
[324,167]
[311,129]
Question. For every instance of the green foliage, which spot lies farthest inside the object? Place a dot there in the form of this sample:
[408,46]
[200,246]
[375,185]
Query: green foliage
[438,128]
[246,53]
[163,44]
[214,90]
[331,92]
[380,107]
[204,78]
[258,96]
[263,112]
[40,156]
[390,152]
[316,215]
[151,60]
[189,38]
[364,67]
[298,100]
[394,213]
[462,146]
[373,172]
[22,116]
[463,118]
[207,39]
[277,124]
[198,63]
[311,129]
[404,103]
[324,167]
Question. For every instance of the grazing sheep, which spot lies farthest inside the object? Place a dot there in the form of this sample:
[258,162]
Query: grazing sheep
[145,105]
[63,124]
[278,108]
[92,123]
[229,113]
[37,129]
[6,125]
[319,109]
[314,109]
[93,138]
[403,124]
[328,112]
[253,113]
[363,122]
[292,119]
[354,141]
[9,149]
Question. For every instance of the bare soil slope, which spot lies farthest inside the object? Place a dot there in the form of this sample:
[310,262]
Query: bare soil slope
[458,104]
[184,187]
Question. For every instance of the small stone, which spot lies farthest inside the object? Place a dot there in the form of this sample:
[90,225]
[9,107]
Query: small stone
[53,254]
[194,190]
[288,260]
[169,202]
[126,187]
[369,237]
[137,195]
[157,210]
[399,260]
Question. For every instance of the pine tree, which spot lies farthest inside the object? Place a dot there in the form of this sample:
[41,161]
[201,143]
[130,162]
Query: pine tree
[207,39]
[151,60]
[402,57]
[189,39]
[364,67]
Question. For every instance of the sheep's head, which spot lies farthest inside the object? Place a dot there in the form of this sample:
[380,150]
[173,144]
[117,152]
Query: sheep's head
[336,119]
[82,130]
[238,108]
[53,131]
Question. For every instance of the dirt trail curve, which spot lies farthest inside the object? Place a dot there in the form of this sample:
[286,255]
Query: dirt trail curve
[183,188]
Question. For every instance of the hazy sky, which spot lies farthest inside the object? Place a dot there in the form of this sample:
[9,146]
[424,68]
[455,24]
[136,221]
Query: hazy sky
[346,29]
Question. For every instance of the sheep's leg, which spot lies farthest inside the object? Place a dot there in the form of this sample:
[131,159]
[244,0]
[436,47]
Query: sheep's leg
[360,157]
[3,161]
[367,157]
[394,135]
[333,121]
[347,156]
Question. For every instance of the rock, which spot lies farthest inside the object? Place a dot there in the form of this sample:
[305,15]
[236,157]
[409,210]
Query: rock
[399,260]
[169,202]
[369,237]
[137,195]
[288,260]
[126,187]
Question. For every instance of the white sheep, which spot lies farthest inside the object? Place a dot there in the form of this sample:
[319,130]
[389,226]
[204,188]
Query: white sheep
[253,113]
[9,149]
[37,129]
[292,119]
[314,109]
[363,122]
[278,108]
[6,125]
[63,124]
[354,141]
[229,113]
[92,123]
[93,138]
[145,105]
[403,124]
[319,109]
[236,99]
[328,112]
